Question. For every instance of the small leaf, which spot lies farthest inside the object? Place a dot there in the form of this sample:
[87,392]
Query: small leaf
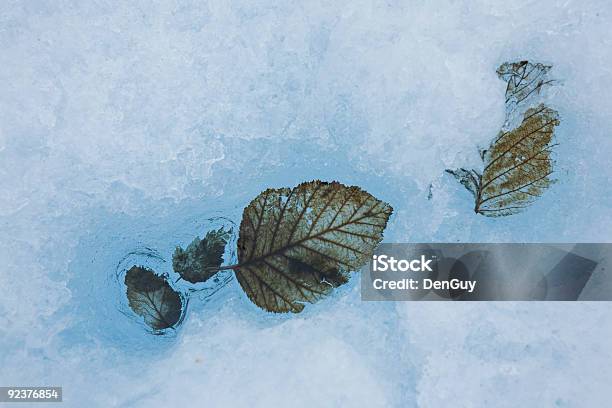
[518,164]
[469,179]
[297,244]
[151,297]
[524,79]
[201,258]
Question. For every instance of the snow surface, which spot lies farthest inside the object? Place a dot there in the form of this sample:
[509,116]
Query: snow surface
[125,126]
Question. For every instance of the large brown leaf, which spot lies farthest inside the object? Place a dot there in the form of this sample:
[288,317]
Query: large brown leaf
[297,244]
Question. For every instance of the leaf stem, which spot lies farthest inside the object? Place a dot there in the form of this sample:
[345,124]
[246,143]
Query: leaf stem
[222,268]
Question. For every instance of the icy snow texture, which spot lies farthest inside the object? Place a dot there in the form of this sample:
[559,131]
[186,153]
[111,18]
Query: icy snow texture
[124,126]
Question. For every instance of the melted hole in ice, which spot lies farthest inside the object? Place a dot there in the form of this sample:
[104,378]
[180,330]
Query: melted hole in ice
[148,297]
[98,314]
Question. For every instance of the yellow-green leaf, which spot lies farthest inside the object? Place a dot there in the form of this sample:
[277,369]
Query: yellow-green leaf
[518,166]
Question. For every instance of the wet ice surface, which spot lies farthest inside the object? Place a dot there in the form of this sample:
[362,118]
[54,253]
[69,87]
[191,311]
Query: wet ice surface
[124,128]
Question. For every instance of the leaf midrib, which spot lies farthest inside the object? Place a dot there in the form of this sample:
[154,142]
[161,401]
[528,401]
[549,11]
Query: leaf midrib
[291,245]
